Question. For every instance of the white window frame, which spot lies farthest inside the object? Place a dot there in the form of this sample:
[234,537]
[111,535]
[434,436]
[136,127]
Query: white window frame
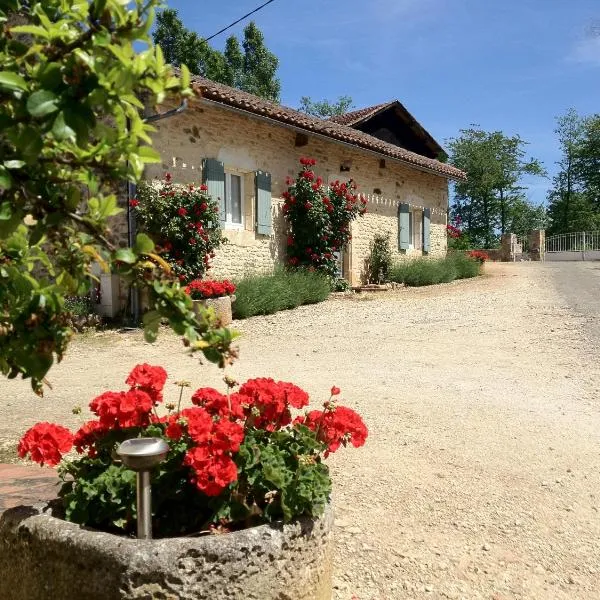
[229,224]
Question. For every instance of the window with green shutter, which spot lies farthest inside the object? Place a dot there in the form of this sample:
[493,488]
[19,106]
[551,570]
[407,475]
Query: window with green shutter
[404,226]
[426,230]
[213,176]
[264,225]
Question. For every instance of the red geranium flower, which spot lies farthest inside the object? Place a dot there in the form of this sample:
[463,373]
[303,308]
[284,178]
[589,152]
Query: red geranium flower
[148,378]
[336,427]
[46,443]
[86,437]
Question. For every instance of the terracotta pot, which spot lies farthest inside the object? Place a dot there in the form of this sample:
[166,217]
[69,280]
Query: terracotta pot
[221,306]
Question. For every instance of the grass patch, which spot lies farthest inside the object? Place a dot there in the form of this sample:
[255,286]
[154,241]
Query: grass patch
[280,290]
[424,271]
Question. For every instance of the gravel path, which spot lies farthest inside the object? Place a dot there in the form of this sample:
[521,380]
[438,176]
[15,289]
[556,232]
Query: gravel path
[481,475]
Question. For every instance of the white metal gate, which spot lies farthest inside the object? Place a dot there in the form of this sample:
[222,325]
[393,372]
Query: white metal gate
[582,245]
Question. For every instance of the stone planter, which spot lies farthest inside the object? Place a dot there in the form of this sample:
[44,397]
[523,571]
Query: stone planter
[221,306]
[42,557]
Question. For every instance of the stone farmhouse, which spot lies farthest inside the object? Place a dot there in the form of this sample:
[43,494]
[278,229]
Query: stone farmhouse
[244,147]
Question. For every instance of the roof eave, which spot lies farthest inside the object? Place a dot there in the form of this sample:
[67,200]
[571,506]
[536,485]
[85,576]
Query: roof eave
[330,138]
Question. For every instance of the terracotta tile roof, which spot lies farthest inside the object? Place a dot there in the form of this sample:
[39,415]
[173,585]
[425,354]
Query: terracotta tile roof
[237,99]
[361,114]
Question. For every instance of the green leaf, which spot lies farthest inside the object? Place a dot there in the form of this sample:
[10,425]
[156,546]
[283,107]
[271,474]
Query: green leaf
[29,142]
[31,30]
[61,130]
[126,255]
[143,244]
[5,211]
[12,81]
[5,179]
[151,322]
[149,154]
[42,103]
[14,164]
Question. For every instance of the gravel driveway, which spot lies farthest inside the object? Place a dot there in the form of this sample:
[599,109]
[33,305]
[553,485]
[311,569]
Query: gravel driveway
[481,475]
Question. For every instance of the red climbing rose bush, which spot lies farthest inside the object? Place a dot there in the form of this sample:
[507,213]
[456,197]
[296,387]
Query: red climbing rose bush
[183,220]
[237,458]
[319,219]
[204,289]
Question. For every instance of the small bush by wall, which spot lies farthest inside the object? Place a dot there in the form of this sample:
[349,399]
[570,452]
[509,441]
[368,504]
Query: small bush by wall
[424,271]
[280,290]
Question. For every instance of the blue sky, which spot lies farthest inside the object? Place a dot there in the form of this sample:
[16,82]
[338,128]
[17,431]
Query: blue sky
[510,66]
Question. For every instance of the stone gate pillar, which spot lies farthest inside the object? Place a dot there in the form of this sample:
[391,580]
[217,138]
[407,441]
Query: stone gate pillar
[508,242]
[537,244]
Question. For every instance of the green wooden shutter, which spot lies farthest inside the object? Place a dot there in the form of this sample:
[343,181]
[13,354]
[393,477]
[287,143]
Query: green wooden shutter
[426,229]
[403,226]
[264,217]
[213,175]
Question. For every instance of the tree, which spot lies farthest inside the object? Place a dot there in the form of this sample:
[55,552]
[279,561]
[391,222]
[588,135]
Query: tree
[72,131]
[588,163]
[526,217]
[566,190]
[325,109]
[259,66]
[574,200]
[254,70]
[495,165]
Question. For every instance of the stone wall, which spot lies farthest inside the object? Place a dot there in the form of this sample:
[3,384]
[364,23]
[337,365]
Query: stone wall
[246,144]
[44,558]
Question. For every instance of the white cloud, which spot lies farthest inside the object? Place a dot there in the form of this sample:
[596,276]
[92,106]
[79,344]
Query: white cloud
[587,50]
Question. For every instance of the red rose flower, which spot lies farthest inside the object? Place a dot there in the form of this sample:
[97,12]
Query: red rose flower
[182,211]
[133,203]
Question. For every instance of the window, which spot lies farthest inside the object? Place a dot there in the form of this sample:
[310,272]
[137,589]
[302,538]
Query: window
[414,229]
[234,195]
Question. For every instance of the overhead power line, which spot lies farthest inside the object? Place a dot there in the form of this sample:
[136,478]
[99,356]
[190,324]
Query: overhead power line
[239,20]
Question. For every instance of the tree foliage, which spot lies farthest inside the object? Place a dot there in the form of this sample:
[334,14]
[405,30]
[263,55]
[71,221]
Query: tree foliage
[324,108]
[493,196]
[574,199]
[71,132]
[253,70]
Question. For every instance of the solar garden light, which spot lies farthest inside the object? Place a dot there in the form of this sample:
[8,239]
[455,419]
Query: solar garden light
[142,455]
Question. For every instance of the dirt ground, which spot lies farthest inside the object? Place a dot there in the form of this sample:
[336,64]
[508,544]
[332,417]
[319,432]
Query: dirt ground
[480,478]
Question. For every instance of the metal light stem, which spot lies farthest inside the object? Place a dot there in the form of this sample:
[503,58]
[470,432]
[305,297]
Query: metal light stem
[142,455]
[144,506]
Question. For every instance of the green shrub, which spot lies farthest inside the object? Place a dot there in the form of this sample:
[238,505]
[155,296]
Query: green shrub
[269,293]
[466,267]
[422,271]
[79,306]
[380,259]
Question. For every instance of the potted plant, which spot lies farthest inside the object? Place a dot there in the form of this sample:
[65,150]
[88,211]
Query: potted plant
[213,294]
[243,463]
